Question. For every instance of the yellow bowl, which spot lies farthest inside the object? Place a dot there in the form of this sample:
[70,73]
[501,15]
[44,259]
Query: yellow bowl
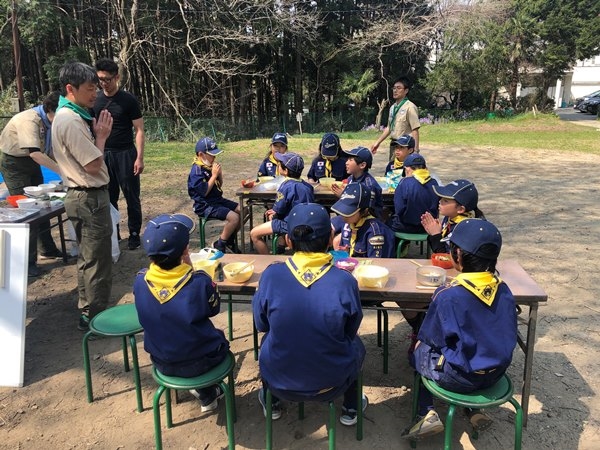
[207,265]
[239,277]
[263,179]
[431,275]
[327,181]
[372,276]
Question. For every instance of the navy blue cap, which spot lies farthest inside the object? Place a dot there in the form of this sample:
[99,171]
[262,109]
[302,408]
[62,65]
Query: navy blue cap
[279,137]
[463,191]
[355,197]
[291,161]
[167,234]
[312,215]
[406,140]
[207,145]
[363,153]
[471,234]
[414,159]
[330,145]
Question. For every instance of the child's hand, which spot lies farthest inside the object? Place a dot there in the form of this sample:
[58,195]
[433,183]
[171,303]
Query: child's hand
[216,170]
[337,189]
[431,225]
[270,214]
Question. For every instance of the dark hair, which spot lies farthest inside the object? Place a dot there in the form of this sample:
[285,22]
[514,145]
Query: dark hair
[405,82]
[51,102]
[417,166]
[320,244]
[474,263]
[76,73]
[291,173]
[358,160]
[166,262]
[107,65]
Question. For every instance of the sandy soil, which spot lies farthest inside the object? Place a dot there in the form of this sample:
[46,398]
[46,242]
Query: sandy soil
[542,201]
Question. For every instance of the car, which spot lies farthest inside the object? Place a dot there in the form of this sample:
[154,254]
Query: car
[591,105]
[580,101]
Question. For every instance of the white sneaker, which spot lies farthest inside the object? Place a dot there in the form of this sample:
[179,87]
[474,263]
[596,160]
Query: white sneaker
[349,416]
[275,406]
[424,426]
[211,403]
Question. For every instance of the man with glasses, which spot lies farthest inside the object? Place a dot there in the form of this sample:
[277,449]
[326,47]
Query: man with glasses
[403,118]
[123,157]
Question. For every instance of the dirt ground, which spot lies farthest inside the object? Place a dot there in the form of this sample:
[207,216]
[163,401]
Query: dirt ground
[550,222]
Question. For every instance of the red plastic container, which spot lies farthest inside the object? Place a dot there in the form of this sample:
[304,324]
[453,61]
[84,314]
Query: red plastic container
[12,199]
[443,260]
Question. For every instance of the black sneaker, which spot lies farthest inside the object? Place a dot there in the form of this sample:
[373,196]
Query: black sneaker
[210,403]
[234,248]
[220,245]
[33,271]
[134,241]
[84,323]
[53,254]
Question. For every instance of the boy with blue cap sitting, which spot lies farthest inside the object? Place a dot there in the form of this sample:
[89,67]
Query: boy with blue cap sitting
[467,338]
[205,187]
[175,304]
[331,160]
[310,311]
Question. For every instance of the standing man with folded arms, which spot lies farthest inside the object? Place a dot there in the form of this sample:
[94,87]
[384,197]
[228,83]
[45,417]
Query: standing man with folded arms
[78,141]
[124,159]
[403,118]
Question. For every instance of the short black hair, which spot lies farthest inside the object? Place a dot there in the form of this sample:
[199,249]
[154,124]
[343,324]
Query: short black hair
[474,263]
[107,65]
[320,244]
[166,262]
[358,160]
[51,102]
[291,173]
[417,166]
[405,82]
[76,73]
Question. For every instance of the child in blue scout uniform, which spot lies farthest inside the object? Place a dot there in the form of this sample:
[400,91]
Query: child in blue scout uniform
[467,339]
[279,144]
[310,312]
[457,202]
[331,160]
[363,235]
[205,187]
[174,305]
[401,148]
[291,192]
[414,196]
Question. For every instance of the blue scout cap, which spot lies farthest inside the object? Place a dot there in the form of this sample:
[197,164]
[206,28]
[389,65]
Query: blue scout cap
[279,137]
[355,197]
[167,234]
[414,159]
[406,140]
[207,145]
[291,161]
[363,153]
[471,234]
[463,191]
[312,215]
[330,145]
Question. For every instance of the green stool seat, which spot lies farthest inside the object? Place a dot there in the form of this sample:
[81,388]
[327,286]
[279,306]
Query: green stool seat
[496,395]
[410,237]
[213,376]
[119,321]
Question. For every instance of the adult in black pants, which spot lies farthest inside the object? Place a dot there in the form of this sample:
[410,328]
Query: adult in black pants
[124,157]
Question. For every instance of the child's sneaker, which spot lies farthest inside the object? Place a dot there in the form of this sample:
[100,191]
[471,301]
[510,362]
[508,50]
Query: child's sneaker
[349,416]
[424,426]
[275,407]
[220,245]
[479,420]
[211,402]
[84,322]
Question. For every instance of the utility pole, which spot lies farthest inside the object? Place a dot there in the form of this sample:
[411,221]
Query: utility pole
[17,53]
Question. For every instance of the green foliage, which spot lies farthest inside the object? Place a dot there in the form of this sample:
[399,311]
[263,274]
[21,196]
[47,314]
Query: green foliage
[52,67]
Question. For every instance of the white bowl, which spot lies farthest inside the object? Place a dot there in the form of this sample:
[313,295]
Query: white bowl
[47,187]
[431,275]
[34,191]
[28,203]
[238,277]
[369,275]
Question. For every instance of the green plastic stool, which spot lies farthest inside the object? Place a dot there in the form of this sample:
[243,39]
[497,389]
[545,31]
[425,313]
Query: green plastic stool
[202,231]
[214,376]
[498,394]
[119,321]
[332,417]
[410,237]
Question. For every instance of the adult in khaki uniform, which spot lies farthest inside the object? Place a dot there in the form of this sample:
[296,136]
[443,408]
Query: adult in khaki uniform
[24,146]
[403,117]
[78,141]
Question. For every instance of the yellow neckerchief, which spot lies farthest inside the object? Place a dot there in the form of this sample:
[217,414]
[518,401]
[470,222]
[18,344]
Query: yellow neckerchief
[450,223]
[484,285]
[164,284]
[201,163]
[328,168]
[422,175]
[309,267]
[398,164]
[355,229]
[274,161]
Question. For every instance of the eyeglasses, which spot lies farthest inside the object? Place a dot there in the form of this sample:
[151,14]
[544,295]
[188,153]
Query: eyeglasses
[106,80]
[398,88]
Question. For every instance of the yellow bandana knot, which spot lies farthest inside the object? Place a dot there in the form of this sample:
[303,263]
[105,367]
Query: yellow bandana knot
[422,175]
[309,267]
[164,284]
[484,285]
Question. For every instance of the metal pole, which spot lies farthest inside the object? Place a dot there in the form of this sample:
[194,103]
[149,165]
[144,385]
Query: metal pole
[17,53]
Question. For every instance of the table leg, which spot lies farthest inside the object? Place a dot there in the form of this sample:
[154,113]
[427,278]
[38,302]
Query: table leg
[527,371]
[243,223]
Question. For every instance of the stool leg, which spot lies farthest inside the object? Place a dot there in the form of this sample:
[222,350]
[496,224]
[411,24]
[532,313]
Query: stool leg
[86,366]
[125,354]
[232,390]
[359,410]
[230,413]
[156,412]
[168,408]
[379,327]
[448,430]
[136,373]
[269,419]
[331,430]
[201,231]
[518,423]
[301,410]
[385,341]
[230,317]
[255,340]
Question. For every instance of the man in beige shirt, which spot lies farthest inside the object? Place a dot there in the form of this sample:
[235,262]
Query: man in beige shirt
[403,117]
[78,141]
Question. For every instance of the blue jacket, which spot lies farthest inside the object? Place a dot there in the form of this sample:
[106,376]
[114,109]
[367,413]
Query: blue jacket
[267,168]
[290,193]
[197,187]
[376,193]
[338,168]
[411,200]
[374,239]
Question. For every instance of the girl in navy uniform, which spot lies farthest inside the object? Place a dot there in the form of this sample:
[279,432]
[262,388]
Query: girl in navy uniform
[331,160]
[467,338]
[269,166]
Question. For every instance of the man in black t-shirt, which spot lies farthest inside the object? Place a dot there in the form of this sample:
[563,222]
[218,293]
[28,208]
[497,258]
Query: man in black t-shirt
[124,157]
